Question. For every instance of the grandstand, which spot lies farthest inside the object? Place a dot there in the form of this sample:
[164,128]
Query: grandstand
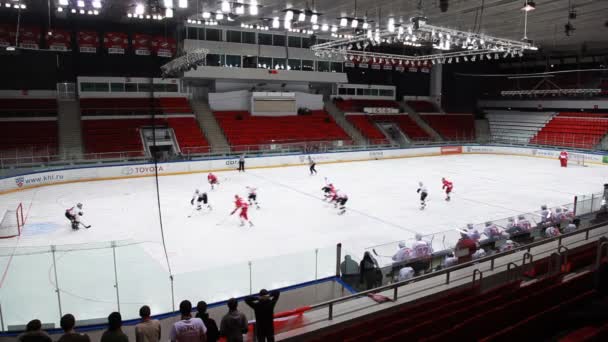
[131,133]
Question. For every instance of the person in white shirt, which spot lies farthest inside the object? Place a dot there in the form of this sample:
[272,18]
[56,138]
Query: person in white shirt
[188,329]
[404,253]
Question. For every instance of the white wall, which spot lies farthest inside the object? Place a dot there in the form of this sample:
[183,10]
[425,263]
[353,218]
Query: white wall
[575,105]
[209,72]
[231,85]
[232,100]
[164,169]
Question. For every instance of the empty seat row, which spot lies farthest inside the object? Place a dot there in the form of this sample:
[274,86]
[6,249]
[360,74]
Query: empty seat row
[422,106]
[28,107]
[134,106]
[366,126]
[516,126]
[28,138]
[357,106]
[578,132]
[452,126]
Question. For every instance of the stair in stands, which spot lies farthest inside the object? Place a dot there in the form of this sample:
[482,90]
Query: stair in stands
[209,125]
[348,127]
[70,130]
[425,126]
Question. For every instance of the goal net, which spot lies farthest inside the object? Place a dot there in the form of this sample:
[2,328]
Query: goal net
[12,222]
[576,159]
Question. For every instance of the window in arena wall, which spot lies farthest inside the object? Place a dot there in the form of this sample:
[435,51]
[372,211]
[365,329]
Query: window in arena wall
[131,87]
[278,40]
[278,63]
[336,67]
[308,65]
[249,37]
[265,63]
[363,91]
[233,60]
[305,43]
[117,87]
[295,64]
[373,92]
[215,60]
[87,86]
[171,88]
[322,66]
[342,91]
[193,33]
[250,62]
[160,87]
[233,36]
[213,35]
[264,39]
[295,42]
[144,87]
[386,92]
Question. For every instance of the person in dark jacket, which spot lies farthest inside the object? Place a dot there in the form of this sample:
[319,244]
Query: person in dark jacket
[34,333]
[234,323]
[213,333]
[369,272]
[242,163]
[114,332]
[263,306]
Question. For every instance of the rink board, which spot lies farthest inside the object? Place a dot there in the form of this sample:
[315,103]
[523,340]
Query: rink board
[85,174]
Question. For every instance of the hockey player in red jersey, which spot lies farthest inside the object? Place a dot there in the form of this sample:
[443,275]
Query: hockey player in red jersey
[447,186]
[212,179]
[563,159]
[244,207]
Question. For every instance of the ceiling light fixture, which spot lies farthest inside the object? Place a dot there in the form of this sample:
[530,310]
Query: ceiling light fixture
[253,7]
[529,6]
[343,22]
[225,7]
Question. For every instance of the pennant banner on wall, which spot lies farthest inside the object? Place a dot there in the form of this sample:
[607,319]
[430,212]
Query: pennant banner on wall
[142,44]
[29,38]
[88,42]
[164,47]
[116,43]
[59,40]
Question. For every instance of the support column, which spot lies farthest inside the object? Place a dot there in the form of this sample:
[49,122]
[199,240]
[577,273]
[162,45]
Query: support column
[436,83]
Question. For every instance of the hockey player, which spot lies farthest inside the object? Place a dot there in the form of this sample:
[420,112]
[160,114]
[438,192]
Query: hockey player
[523,223]
[341,199]
[563,159]
[212,179]
[545,214]
[423,194]
[558,217]
[244,207]
[421,248]
[480,253]
[404,253]
[252,196]
[74,215]
[567,214]
[447,186]
[492,231]
[406,273]
[312,165]
[472,232]
[512,228]
[198,199]
[328,191]
[552,232]
[507,246]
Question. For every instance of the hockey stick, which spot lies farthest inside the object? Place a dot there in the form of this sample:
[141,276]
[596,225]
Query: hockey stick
[376,254]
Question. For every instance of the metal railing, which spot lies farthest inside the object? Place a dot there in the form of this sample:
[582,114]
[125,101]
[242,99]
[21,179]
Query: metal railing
[447,271]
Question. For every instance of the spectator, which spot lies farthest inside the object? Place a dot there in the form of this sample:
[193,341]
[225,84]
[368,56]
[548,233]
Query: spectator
[234,323]
[263,306]
[68,322]
[450,260]
[114,332]
[406,273]
[403,254]
[148,330]
[201,312]
[349,266]
[34,333]
[465,248]
[369,272]
[188,329]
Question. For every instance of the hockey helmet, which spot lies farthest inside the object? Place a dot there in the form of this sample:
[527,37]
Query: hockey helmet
[420,183]
[521,217]
[79,205]
[488,224]
[401,244]
[558,210]
[543,207]
[418,237]
[470,225]
[511,219]
[196,191]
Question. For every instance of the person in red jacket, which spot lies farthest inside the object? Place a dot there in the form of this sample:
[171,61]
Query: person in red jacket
[563,159]
[465,243]
[447,186]
[244,207]
[212,179]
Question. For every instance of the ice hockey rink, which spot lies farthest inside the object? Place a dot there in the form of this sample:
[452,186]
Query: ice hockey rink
[293,240]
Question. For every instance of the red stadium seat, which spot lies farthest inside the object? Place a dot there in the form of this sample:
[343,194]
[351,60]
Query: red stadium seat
[578,130]
[452,126]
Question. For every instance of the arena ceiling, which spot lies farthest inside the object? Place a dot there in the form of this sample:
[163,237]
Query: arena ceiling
[502,18]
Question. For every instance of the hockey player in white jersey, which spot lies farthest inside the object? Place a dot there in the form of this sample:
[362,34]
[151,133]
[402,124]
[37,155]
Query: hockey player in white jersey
[252,196]
[492,231]
[421,248]
[341,199]
[552,232]
[479,253]
[199,199]
[472,232]
[507,246]
[523,223]
[545,214]
[406,273]
[74,214]
[423,195]
[404,253]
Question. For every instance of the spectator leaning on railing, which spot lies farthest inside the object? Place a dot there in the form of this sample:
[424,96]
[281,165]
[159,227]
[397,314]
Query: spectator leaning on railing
[34,333]
[188,329]
[201,312]
[234,323]
[68,322]
[148,330]
[114,332]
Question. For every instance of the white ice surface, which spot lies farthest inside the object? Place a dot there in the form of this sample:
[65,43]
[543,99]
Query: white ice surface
[210,261]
